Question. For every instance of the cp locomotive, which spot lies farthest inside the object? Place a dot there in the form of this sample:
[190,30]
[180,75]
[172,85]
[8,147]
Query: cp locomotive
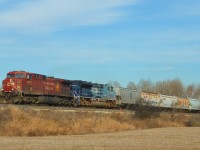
[25,87]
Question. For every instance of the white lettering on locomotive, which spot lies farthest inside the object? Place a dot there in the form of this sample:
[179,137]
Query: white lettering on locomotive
[50,83]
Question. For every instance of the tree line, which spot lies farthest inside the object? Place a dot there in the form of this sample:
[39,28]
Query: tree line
[174,87]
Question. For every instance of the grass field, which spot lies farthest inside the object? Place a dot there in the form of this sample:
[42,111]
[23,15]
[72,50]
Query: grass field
[27,122]
[176,138]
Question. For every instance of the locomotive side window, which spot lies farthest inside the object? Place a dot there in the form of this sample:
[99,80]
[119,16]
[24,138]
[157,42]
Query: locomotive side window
[37,76]
[44,77]
[29,77]
[111,89]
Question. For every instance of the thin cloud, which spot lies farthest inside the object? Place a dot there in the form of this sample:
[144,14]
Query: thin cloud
[169,9]
[41,14]
[1,1]
[186,8]
[163,68]
[105,56]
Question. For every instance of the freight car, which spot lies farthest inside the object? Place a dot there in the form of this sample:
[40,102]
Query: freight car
[130,99]
[25,87]
[194,104]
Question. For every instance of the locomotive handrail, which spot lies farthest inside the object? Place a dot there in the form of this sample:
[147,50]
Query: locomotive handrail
[18,90]
[76,96]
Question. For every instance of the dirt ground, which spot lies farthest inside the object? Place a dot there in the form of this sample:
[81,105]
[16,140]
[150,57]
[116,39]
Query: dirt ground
[151,139]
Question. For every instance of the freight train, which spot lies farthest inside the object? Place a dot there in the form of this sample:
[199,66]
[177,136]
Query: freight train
[31,88]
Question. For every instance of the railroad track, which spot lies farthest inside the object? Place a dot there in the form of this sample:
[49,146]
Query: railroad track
[64,109]
[76,109]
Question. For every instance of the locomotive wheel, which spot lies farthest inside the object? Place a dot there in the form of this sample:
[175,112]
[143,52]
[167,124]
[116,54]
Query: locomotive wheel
[7,96]
[28,100]
[34,100]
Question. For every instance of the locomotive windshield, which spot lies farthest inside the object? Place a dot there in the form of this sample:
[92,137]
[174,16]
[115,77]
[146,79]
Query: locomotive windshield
[10,75]
[20,76]
[16,76]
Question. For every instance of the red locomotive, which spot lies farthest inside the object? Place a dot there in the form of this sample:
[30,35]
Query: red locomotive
[25,87]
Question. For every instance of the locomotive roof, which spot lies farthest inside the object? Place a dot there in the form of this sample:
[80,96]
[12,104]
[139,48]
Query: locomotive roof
[16,71]
[80,82]
[96,85]
[150,92]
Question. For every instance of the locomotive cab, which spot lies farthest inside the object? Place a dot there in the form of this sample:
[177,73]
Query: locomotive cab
[109,92]
[13,81]
[82,88]
[12,84]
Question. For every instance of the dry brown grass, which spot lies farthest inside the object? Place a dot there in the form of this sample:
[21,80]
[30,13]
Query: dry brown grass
[26,122]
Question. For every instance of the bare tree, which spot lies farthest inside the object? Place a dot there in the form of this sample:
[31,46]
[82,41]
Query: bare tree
[197,92]
[161,87]
[0,91]
[177,88]
[132,86]
[145,85]
[189,91]
[114,83]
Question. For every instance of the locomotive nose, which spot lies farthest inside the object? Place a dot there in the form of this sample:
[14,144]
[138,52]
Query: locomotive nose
[8,85]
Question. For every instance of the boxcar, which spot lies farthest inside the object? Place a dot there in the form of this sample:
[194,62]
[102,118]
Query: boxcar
[194,104]
[168,101]
[183,103]
[129,98]
[151,99]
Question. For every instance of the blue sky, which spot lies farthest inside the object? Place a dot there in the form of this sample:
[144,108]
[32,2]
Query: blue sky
[102,40]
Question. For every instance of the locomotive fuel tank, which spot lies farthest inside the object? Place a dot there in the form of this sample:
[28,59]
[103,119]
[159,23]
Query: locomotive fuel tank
[48,100]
